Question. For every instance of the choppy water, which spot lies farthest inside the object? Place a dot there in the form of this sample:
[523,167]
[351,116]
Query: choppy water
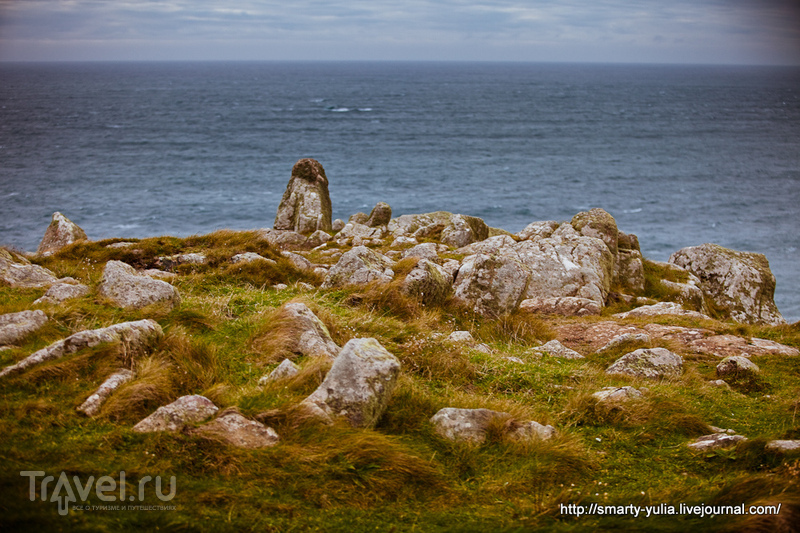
[680,155]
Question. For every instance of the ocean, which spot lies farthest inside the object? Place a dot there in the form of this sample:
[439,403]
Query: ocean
[679,155]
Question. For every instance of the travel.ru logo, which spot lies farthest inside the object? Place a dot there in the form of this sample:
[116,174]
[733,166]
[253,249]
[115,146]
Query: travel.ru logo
[106,488]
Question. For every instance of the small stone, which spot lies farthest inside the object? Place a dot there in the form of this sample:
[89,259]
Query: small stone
[250,257]
[16,326]
[60,233]
[650,363]
[783,445]
[720,383]
[93,403]
[285,370]
[625,338]
[60,292]
[736,365]
[380,216]
[128,289]
[461,337]
[715,441]
[337,225]
[556,349]
[612,394]
[236,430]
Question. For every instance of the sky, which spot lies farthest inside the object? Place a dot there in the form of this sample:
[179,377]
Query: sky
[640,31]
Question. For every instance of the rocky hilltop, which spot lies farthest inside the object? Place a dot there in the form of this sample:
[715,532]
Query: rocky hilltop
[431,328]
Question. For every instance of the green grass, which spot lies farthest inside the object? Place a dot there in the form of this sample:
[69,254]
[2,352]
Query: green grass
[401,475]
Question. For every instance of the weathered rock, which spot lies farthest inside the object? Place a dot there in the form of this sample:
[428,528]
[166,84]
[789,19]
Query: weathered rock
[565,306]
[736,365]
[285,239]
[427,250]
[428,282]
[136,336]
[173,417]
[18,272]
[463,230]
[380,216]
[60,233]
[233,428]
[491,285]
[121,244]
[162,275]
[554,348]
[538,230]
[617,394]
[650,363]
[312,338]
[357,267]
[662,308]
[401,241]
[65,289]
[285,370]
[337,224]
[318,238]
[567,264]
[624,339]
[714,441]
[127,288]
[358,385]
[16,326]
[171,261]
[629,270]
[306,204]
[451,266]
[298,261]
[598,334]
[599,224]
[725,345]
[461,337]
[783,445]
[720,383]
[250,257]
[740,284]
[358,218]
[490,246]
[94,402]
[689,294]
[471,425]
[359,234]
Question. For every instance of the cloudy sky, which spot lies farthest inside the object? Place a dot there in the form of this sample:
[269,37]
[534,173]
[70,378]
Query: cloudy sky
[672,31]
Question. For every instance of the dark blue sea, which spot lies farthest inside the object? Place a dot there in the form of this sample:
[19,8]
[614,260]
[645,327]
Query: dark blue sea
[679,155]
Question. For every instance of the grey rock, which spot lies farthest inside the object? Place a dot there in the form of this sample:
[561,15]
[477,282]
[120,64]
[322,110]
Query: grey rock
[617,394]
[194,258]
[492,245]
[250,257]
[461,337]
[162,275]
[427,250]
[783,445]
[234,429]
[629,270]
[337,225]
[62,291]
[720,383]
[358,218]
[740,284]
[428,282]
[127,288]
[318,238]
[648,363]
[285,239]
[122,244]
[17,272]
[599,224]
[453,229]
[136,336]
[359,234]
[285,370]
[357,267]
[173,417]
[298,261]
[538,230]
[312,338]
[94,402]
[736,365]
[380,216]
[451,266]
[358,386]
[471,425]
[463,230]
[60,233]
[624,339]
[16,326]
[306,204]
[556,349]
[402,241]
[725,345]
[715,441]
[564,306]
[491,285]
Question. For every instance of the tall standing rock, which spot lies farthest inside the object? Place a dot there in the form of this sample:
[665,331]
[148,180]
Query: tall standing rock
[740,284]
[306,204]
[60,233]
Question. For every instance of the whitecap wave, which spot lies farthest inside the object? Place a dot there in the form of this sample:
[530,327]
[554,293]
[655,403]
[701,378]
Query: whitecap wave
[365,109]
[126,226]
[637,210]
[339,109]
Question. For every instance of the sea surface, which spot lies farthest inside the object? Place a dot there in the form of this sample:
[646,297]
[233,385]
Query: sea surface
[679,155]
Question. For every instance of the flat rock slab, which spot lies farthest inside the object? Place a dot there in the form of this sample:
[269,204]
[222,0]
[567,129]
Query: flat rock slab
[471,425]
[135,335]
[555,349]
[237,430]
[617,394]
[16,326]
[783,445]
[715,441]
[129,289]
[358,385]
[625,338]
[660,309]
[173,417]
[62,291]
[652,363]
[94,402]
[728,345]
